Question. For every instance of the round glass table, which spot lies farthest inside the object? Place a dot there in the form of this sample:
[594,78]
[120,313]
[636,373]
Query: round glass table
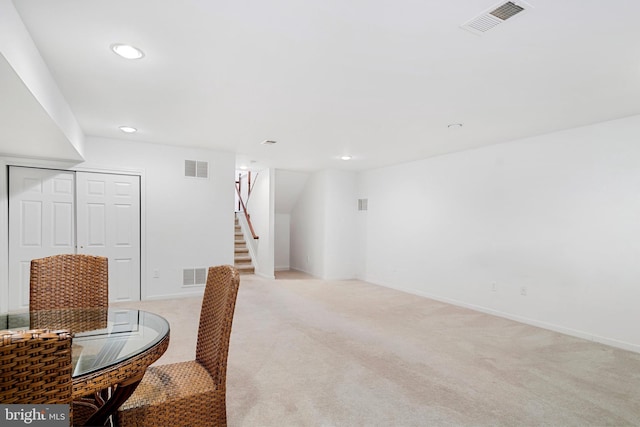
[111,349]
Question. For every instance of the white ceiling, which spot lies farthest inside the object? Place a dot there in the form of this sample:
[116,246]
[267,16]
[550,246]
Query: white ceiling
[379,80]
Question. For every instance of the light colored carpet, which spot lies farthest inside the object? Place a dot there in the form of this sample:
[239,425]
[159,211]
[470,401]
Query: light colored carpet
[348,353]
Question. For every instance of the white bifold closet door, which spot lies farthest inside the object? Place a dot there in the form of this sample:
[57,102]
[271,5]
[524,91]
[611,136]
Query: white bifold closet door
[57,212]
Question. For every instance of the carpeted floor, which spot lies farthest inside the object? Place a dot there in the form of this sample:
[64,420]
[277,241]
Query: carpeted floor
[309,352]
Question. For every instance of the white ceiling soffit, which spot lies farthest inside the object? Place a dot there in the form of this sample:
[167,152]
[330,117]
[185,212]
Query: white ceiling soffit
[495,15]
[27,130]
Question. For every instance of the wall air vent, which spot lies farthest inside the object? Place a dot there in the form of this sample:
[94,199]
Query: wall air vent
[196,169]
[494,16]
[194,276]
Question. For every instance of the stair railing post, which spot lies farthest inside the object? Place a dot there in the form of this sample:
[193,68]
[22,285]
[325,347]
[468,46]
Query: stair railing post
[246,213]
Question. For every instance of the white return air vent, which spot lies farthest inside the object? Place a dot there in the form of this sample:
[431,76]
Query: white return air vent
[495,16]
[196,169]
[194,276]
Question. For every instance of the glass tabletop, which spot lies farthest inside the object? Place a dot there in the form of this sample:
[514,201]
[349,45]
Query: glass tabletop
[101,337]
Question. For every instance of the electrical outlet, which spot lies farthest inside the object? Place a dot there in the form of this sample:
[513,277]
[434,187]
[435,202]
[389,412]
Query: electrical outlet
[156,274]
[494,287]
[523,291]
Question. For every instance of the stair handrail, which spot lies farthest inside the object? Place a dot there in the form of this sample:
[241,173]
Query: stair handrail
[246,213]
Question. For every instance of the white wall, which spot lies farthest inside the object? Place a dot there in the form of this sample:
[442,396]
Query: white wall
[261,209]
[188,222]
[288,187]
[282,236]
[308,227]
[323,232]
[19,50]
[340,225]
[4,238]
[556,217]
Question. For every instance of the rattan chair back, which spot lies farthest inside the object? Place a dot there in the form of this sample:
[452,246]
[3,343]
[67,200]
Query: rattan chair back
[69,281]
[191,393]
[216,317]
[35,367]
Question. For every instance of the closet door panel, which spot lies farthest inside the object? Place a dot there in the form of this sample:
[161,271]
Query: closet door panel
[41,223]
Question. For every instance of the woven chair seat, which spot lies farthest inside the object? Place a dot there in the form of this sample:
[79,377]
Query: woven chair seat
[185,385]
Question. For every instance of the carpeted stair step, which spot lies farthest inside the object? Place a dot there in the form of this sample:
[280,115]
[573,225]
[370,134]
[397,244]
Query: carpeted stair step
[245,269]
[242,259]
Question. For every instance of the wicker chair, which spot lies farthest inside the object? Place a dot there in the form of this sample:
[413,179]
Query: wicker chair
[69,281]
[192,393]
[35,367]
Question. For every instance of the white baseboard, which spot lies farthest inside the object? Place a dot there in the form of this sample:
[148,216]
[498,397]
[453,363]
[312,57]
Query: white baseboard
[533,322]
[190,294]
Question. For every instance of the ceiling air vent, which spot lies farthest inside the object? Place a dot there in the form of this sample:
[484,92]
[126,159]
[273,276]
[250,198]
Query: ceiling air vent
[507,10]
[494,16]
[363,204]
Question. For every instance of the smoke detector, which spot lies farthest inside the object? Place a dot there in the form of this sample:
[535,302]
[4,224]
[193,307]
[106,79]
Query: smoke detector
[495,16]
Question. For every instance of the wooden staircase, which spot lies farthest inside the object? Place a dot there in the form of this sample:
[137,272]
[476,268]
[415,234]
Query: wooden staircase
[242,259]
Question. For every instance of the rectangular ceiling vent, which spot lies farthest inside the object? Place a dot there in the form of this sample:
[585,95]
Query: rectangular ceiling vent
[196,169]
[363,204]
[494,16]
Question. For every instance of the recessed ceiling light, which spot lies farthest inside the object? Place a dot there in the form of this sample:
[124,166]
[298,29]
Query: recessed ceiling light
[346,157]
[127,51]
[128,129]
[455,126]
[268,142]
